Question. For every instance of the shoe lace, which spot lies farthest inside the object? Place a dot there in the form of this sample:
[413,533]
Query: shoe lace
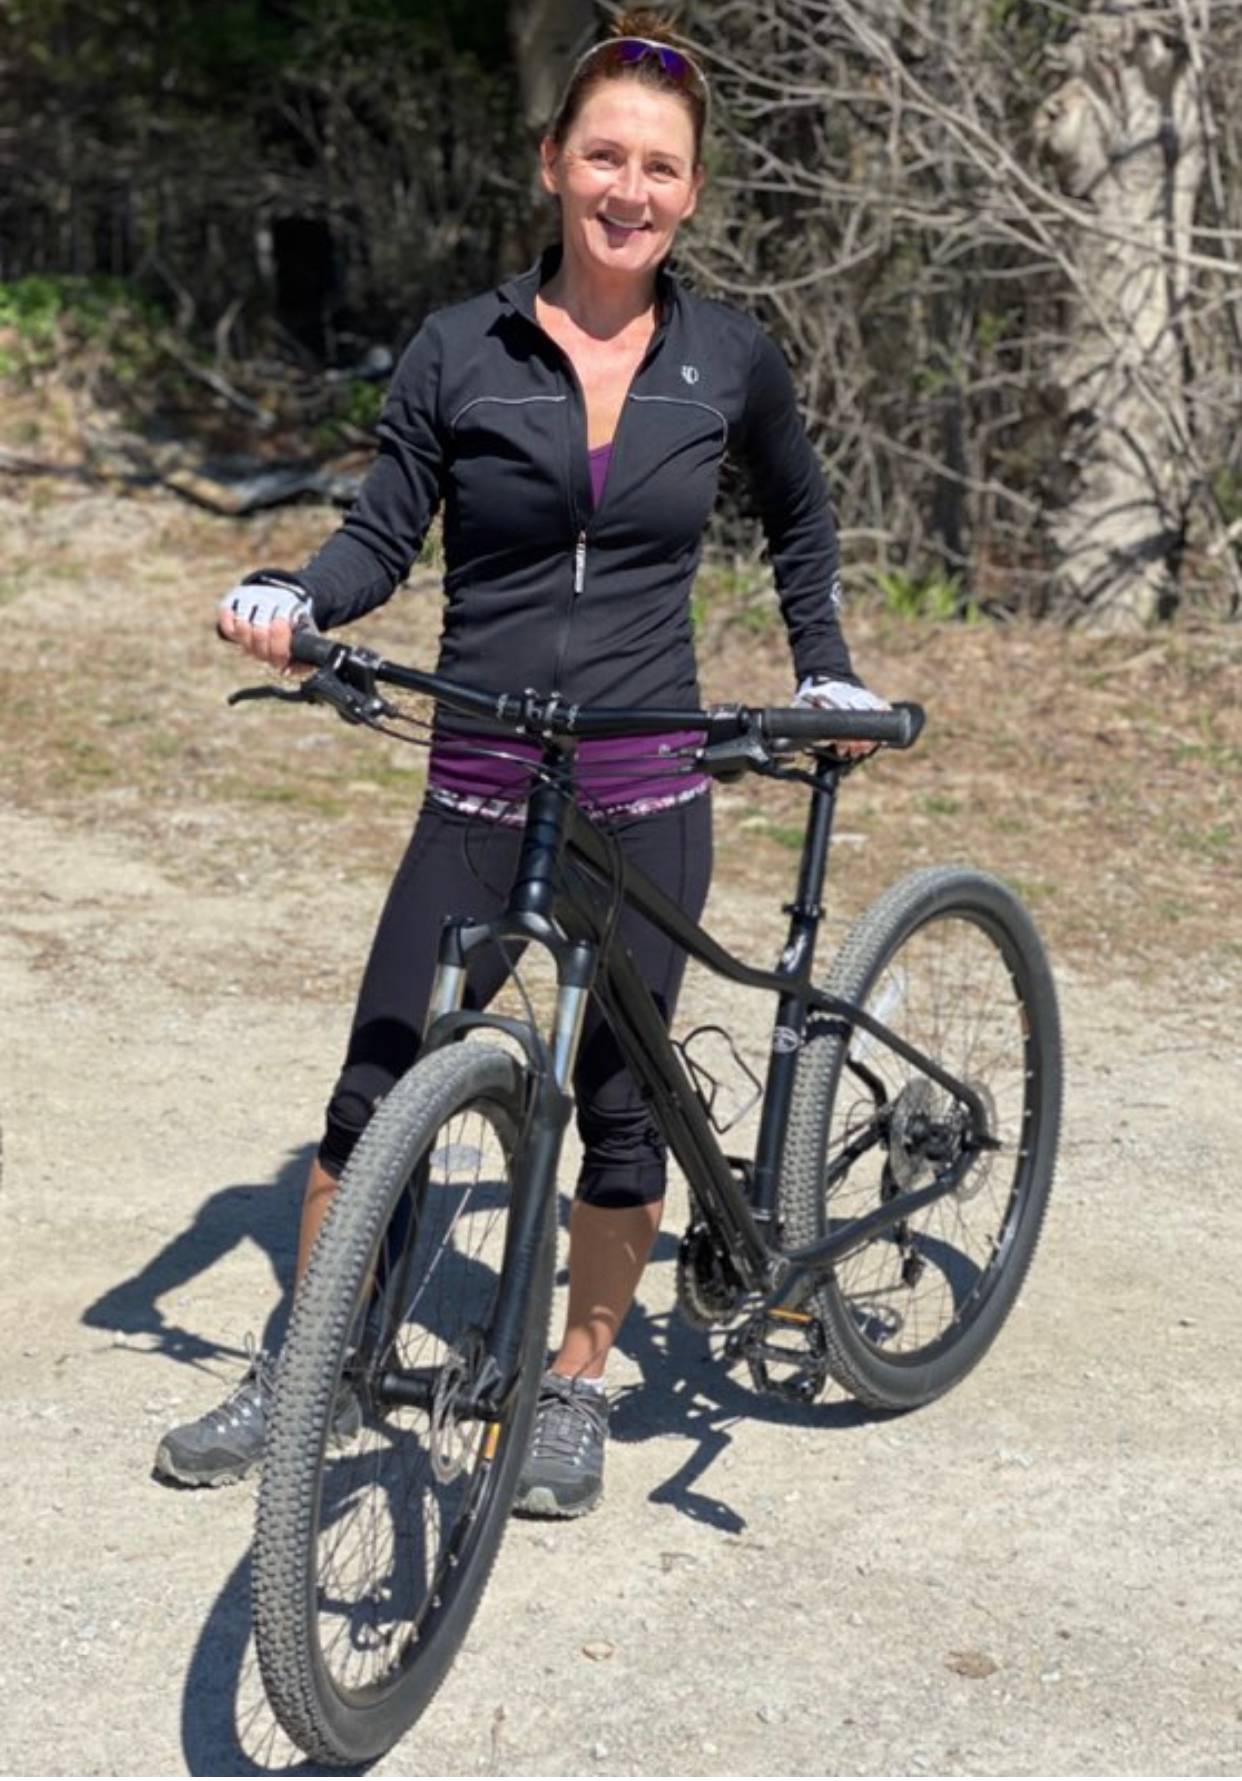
[562,1411]
[255,1385]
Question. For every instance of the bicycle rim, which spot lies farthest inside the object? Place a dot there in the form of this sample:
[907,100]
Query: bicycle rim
[950,962]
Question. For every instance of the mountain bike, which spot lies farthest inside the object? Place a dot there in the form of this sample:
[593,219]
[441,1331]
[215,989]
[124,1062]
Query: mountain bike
[877,1236]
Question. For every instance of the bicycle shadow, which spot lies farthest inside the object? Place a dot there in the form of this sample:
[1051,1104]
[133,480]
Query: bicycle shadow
[227,1726]
[264,1212]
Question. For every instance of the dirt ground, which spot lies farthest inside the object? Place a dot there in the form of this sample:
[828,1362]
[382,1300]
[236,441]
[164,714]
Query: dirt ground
[1035,1575]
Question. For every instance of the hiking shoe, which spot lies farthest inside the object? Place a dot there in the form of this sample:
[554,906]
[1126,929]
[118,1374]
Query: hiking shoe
[226,1444]
[564,1470]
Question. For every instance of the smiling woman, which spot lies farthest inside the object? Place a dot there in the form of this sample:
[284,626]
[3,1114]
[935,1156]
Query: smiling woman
[572,425]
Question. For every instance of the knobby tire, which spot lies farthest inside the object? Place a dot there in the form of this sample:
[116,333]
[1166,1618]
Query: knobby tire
[951,961]
[356,1626]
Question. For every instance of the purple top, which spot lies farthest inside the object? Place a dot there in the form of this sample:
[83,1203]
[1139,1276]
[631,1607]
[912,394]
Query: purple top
[618,773]
[598,462]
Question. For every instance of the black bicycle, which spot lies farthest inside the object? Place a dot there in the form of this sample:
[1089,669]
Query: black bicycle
[878,1235]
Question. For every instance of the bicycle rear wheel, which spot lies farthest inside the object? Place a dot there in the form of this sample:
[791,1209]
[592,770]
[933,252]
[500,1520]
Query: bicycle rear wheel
[369,1563]
[951,962]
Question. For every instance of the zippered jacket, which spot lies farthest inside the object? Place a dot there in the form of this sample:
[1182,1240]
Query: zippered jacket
[486,418]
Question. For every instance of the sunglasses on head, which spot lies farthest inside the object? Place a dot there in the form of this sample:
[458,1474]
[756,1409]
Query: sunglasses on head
[628,52]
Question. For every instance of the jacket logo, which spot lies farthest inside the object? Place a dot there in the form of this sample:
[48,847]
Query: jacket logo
[690,373]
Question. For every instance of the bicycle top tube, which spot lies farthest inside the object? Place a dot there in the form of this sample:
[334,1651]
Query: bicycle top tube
[548,716]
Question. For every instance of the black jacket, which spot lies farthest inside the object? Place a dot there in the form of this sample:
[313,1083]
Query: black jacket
[486,417]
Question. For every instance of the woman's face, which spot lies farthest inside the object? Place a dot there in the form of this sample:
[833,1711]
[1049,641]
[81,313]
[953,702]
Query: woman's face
[625,176]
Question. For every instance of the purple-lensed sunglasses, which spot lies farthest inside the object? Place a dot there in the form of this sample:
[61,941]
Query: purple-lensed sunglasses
[627,52]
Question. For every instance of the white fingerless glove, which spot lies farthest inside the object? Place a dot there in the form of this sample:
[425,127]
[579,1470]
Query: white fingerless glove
[264,603]
[838,695]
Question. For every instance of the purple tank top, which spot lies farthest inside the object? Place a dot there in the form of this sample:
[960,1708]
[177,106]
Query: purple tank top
[598,462]
[632,773]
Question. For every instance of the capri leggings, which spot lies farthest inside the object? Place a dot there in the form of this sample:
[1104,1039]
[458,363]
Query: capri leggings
[456,865]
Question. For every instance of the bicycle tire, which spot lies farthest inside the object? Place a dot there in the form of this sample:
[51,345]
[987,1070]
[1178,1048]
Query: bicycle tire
[910,1313]
[368,1565]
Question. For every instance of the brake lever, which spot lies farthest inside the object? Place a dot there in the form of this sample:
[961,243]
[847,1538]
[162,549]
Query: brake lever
[266,692]
[323,687]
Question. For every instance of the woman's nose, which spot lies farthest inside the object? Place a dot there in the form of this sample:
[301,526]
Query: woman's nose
[632,183]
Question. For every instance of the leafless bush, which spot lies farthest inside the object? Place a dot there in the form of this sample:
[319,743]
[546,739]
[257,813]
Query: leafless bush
[1020,364]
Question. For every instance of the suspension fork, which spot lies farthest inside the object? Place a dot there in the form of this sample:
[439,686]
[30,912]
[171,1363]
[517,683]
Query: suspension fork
[550,1067]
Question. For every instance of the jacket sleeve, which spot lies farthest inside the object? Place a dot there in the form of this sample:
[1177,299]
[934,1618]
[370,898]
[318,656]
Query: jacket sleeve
[380,538]
[792,498]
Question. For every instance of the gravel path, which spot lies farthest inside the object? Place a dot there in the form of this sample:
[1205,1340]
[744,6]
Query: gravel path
[1035,1575]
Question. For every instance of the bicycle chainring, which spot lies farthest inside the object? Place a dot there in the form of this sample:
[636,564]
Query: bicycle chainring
[708,1289]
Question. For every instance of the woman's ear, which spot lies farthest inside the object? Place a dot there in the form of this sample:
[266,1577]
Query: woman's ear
[549,156]
[696,188]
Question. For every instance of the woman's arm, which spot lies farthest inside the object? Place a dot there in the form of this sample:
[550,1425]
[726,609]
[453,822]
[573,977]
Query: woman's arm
[792,498]
[379,540]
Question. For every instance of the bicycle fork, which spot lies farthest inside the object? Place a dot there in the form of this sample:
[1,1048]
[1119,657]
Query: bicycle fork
[550,1067]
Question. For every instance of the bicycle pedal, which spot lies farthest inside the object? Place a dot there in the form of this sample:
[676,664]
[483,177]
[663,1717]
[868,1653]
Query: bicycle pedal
[804,1352]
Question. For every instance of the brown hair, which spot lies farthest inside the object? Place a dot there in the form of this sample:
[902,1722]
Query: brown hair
[593,70]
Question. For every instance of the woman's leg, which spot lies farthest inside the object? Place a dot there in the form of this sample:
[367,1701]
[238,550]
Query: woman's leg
[608,1250]
[453,866]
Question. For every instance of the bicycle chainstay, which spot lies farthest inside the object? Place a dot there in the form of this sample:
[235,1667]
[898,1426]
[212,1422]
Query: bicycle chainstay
[806,1353]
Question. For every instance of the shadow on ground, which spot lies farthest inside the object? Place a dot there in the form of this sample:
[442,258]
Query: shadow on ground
[266,1213]
[686,1392]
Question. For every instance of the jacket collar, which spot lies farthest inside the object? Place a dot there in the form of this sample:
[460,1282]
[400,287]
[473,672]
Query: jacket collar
[520,292]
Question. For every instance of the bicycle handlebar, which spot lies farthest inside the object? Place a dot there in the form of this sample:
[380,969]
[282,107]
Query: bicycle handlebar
[551,715]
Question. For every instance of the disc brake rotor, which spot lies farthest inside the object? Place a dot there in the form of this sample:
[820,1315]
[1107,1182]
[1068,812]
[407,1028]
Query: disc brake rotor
[450,1440]
[979,1173]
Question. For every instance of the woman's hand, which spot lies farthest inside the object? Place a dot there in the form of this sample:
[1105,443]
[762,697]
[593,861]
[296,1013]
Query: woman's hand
[841,695]
[261,617]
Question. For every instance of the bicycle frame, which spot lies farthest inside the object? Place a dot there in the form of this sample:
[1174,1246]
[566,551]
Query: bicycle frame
[564,855]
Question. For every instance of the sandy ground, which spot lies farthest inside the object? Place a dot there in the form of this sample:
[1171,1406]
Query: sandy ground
[1038,1574]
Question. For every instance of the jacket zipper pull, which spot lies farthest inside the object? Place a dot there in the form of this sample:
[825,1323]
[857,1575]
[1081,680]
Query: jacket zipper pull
[580,564]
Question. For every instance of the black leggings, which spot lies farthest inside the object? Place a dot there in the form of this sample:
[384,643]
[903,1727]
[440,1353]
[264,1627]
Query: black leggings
[457,865]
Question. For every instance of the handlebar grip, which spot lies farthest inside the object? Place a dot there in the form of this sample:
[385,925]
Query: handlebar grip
[898,728]
[312,647]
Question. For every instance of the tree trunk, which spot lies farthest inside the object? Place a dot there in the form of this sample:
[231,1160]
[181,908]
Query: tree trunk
[547,35]
[1123,133]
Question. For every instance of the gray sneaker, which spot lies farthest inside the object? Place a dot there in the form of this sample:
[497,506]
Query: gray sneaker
[226,1444]
[564,1470]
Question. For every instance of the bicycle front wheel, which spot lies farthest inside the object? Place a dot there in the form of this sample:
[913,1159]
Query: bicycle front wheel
[950,961]
[370,1558]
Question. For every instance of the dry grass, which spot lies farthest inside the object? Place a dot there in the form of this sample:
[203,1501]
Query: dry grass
[1100,776]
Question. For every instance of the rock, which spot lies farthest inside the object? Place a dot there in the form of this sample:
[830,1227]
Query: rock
[599,1650]
[974,1665]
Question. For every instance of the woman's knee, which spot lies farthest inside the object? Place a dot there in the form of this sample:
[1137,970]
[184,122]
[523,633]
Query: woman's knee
[359,1090]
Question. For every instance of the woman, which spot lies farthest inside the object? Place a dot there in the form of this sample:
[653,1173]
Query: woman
[571,425]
